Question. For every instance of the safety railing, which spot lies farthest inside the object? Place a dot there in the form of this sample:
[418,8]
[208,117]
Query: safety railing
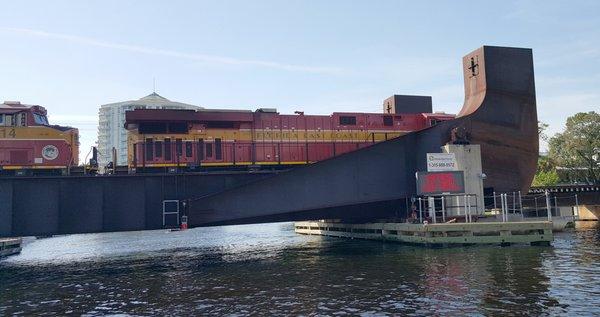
[533,205]
[443,207]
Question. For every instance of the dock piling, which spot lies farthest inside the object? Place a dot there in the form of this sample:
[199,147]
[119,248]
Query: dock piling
[548,206]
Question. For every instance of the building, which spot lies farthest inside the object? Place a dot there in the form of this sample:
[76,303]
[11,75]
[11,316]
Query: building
[111,131]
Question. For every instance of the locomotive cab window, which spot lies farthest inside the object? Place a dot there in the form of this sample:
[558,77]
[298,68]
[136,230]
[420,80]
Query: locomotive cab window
[347,120]
[40,119]
[21,119]
[8,120]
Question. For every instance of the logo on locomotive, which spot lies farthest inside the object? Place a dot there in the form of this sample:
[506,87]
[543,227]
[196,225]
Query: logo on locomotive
[50,152]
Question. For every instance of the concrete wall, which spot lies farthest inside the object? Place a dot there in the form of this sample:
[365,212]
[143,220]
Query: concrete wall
[589,212]
[468,159]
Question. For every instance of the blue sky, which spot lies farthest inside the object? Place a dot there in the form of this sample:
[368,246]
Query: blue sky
[315,56]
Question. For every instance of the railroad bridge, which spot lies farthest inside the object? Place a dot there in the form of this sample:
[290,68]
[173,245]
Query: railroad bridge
[583,200]
[499,114]
[586,194]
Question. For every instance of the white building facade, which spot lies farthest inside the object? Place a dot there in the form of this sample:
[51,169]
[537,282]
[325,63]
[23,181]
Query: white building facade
[111,130]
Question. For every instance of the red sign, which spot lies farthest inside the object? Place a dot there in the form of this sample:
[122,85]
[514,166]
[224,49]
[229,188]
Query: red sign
[437,183]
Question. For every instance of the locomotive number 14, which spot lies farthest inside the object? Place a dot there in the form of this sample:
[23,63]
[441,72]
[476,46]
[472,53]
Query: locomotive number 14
[11,133]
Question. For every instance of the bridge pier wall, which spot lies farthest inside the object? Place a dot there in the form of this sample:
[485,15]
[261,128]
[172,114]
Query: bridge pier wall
[589,212]
[63,205]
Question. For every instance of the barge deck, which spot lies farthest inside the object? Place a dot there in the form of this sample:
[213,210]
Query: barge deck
[10,246]
[443,234]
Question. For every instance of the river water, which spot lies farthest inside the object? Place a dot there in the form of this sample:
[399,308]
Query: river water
[269,270]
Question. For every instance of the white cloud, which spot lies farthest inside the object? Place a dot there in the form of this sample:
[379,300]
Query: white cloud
[170,53]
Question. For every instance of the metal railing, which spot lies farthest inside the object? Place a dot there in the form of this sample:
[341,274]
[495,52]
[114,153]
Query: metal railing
[428,207]
[537,205]
[433,209]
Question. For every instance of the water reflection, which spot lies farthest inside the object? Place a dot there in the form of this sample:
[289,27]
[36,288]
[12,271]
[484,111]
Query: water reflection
[268,269]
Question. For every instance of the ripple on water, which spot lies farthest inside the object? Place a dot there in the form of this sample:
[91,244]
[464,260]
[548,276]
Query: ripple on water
[268,269]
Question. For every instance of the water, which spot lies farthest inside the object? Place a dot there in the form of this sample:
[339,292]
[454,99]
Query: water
[269,270]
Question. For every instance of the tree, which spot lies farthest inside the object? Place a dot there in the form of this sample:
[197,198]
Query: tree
[576,151]
[546,174]
[549,178]
[542,130]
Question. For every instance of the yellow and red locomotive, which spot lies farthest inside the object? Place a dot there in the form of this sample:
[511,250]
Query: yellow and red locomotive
[161,139]
[30,145]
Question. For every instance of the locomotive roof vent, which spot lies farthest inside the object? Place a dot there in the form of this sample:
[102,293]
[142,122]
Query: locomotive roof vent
[12,103]
[267,110]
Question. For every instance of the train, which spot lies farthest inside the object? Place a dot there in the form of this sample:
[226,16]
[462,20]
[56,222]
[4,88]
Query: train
[177,140]
[29,144]
[168,140]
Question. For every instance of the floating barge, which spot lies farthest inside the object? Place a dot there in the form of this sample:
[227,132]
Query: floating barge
[443,234]
[10,246]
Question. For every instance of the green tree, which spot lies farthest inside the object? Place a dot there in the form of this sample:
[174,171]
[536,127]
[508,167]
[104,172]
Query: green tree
[542,130]
[576,151]
[545,174]
[548,178]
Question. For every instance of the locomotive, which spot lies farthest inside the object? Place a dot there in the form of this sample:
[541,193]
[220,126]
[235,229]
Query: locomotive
[165,140]
[30,145]
[177,140]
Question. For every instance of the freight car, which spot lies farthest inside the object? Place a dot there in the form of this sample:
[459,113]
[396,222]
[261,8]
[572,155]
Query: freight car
[29,145]
[177,140]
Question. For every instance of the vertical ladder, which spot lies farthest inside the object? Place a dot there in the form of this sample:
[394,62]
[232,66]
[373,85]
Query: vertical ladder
[170,207]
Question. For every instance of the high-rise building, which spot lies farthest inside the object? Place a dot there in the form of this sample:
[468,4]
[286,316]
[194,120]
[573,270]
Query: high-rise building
[111,130]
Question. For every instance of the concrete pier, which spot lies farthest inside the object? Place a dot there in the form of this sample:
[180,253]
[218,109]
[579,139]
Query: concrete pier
[10,246]
[501,233]
[589,212]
